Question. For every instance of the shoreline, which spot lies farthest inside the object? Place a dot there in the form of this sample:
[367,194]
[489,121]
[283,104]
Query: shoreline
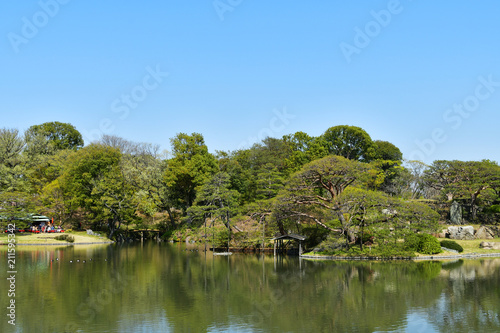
[49,239]
[58,244]
[435,257]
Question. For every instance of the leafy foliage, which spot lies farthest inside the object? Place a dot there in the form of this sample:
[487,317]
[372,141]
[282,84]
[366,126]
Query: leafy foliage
[423,243]
[384,150]
[449,244]
[65,237]
[189,168]
[350,142]
[341,189]
[60,135]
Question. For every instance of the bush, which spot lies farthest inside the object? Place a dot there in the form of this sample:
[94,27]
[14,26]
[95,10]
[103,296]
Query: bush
[314,236]
[494,209]
[449,244]
[221,238]
[65,237]
[412,242]
[423,243]
[429,245]
[331,245]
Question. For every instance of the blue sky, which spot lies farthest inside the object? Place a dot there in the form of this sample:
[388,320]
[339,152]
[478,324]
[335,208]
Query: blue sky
[423,75]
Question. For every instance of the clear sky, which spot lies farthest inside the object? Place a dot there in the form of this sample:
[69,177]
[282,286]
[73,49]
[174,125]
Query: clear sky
[424,75]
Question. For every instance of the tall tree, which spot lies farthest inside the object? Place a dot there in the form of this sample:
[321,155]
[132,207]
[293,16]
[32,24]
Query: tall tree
[350,142]
[113,199]
[384,150]
[269,182]
[189,168]
[303,149]
[86,168]
[12,162]
[215,199]
[466,180]
[314,191]
[11,146]
[61,135]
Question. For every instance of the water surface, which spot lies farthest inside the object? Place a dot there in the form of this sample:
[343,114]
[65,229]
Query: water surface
[171,288]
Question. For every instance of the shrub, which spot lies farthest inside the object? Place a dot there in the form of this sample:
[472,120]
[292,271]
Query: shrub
[65,237]
[221,238]
[429,244]
[412,242]
[494,209]
[423,243]
[314,236]
[331,245]
[449,244]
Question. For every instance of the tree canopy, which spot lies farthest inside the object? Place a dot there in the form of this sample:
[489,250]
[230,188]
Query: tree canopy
[340,187]
[350,142]
[60,135]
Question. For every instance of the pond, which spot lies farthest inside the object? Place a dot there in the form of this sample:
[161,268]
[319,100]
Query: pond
[173,288]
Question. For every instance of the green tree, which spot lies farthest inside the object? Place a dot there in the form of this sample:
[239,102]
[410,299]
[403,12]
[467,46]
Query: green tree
[12,162]
[364,212]
[15,205]
[86,168]
[384,150]
[314,192]
[303,149]
[467,180]
[269,182]
[215,199]
[350,142]
[189,168]
[113,199]
[61,135]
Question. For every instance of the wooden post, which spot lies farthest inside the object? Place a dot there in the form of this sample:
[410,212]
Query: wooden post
[275,247]
[300,248]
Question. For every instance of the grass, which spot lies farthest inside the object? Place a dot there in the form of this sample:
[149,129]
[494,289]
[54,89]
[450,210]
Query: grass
[470,247]
[80,237]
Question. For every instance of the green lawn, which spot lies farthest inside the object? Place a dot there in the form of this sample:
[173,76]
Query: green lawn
[472,246]
[28,238]
[469,246]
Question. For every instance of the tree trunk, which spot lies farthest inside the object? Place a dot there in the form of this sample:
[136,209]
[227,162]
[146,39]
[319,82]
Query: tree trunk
[171,217]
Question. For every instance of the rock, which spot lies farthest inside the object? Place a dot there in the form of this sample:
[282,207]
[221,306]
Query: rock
[389,211]
[461,233]
[490,245]
[495,230]
[442,234]
[484,233]
[449,250]
[456,213]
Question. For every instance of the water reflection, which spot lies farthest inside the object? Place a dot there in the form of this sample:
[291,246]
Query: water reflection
[150,288]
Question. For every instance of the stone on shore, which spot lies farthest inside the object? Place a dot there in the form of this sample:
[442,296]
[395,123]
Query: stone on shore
[484,233]
[490,245]
[461,233]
